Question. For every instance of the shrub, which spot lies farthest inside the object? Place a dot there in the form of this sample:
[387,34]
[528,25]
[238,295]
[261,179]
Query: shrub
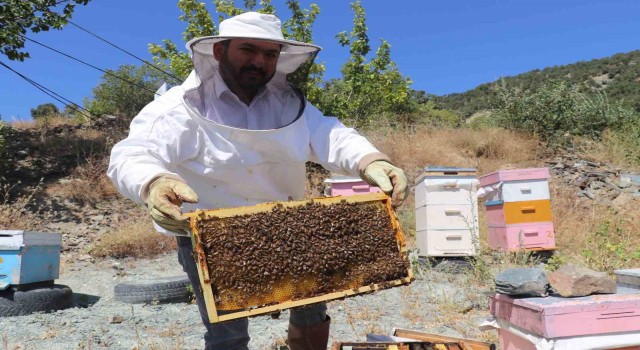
[135,238]
[557,111]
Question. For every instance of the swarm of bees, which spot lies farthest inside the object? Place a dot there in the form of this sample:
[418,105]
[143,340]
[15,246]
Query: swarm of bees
[306,250]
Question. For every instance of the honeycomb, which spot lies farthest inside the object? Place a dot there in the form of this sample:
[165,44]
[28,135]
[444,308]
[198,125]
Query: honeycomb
[298,252]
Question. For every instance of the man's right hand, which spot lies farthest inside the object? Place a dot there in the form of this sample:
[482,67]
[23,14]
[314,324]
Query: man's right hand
[166,195]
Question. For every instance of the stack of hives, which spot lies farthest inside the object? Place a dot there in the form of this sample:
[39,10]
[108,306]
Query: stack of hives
[295,253]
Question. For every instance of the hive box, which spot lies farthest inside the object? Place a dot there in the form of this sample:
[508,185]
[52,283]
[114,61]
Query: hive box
[446,212]
[557,317]
[348,186]
[28,257]
[518,207]
[536,236]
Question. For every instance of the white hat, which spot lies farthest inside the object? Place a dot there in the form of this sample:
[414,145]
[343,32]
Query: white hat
[253,25]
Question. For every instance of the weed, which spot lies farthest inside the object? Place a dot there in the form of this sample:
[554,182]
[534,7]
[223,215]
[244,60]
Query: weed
[608,248]
[16,212]
[136,237]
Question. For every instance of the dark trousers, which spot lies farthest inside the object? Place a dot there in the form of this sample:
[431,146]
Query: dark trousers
[234,335]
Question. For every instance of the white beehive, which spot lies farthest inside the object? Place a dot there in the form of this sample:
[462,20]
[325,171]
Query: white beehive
[446,212]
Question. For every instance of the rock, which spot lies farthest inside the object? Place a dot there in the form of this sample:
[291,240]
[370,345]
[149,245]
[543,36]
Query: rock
[522,281]
[624,200]
[586,193]
[575,281]
[117,319]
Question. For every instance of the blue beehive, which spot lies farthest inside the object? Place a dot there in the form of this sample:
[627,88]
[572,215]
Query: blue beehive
[28,257]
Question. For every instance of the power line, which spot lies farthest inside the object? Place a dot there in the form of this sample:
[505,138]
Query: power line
[125,51]
[89,64]
[106,41]
[51,93]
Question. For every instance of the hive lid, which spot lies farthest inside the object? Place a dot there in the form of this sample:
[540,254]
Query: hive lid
[446,169]
[554,304]
[15,239]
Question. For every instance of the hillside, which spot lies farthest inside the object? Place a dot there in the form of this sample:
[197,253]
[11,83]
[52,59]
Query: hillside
[618,76]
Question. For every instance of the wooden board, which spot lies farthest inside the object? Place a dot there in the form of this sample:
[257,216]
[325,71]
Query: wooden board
[207,284]
[468,343]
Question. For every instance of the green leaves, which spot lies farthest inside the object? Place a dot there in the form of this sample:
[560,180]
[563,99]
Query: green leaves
[19,16]
[117,97]
[557,111]
[366,89]
[45,111]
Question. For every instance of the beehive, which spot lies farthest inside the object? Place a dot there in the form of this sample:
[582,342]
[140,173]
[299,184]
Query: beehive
[273,256]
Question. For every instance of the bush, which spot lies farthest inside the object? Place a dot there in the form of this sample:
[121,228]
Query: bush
[134,238]
[557,111]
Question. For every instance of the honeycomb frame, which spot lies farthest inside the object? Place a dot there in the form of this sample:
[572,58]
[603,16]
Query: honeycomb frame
[208,285]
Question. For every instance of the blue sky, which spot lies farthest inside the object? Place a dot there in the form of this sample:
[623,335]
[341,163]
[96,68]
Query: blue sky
[443,46]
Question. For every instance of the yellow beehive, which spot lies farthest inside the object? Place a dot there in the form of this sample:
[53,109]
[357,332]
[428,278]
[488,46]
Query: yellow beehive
[274,256]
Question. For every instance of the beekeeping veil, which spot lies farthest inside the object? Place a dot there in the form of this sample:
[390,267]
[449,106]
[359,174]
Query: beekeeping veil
[295,57]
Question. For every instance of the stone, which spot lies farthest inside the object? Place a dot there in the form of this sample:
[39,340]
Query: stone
[586,193]
[624,200]
[117,319]
[575,281]
[522,281]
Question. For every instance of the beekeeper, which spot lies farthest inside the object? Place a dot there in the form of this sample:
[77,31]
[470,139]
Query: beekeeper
[238,132]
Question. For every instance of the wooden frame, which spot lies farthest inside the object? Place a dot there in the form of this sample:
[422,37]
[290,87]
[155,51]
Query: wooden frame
[436,338]
[205,280]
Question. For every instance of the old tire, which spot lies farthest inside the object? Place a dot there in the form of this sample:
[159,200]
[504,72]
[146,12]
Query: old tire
[158,290]
[18,303]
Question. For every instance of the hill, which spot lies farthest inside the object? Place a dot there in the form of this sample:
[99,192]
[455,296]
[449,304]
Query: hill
[618,76]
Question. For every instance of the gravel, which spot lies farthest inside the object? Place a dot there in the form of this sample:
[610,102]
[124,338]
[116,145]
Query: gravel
[436,302]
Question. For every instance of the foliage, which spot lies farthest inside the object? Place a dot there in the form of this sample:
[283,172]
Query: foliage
[44,111]
[18,16]
[609,248]
[556,111]
[366,88]
[616,76]
[298,27]
[118,96]
[624,143]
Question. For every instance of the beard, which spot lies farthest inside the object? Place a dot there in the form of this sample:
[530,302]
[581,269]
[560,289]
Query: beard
[247,77]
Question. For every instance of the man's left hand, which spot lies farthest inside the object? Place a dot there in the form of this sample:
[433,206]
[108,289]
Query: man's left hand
[389,178]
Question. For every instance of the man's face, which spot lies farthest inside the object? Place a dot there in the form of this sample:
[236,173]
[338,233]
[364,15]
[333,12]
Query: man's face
[250,63]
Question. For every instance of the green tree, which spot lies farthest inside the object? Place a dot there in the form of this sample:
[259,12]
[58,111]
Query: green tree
[119,96]
[44,112]
[199,23]
[18,16]
[367,88]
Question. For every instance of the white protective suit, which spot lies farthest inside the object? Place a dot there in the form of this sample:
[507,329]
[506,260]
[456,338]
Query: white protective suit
[227,166]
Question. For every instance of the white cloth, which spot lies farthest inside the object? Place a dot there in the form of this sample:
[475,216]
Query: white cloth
[270,109]
[229,166]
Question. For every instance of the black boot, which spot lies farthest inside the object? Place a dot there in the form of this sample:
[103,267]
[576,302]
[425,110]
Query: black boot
[314,337]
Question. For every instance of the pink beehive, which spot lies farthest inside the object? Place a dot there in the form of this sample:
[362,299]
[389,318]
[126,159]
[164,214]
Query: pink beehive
[347,186]
[557,318]
[518,207]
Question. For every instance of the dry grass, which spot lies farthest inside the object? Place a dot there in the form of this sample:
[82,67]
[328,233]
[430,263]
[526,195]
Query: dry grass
[488,149]
[134,238]
[15,213]
[88,184]
[601,237]
[51,121]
